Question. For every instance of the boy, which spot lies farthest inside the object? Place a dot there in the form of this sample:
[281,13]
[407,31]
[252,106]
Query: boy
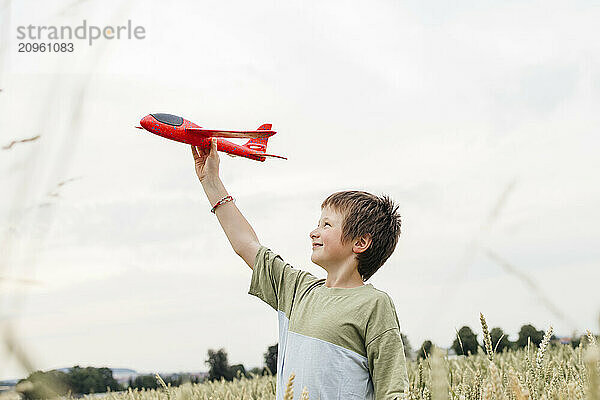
[340,337]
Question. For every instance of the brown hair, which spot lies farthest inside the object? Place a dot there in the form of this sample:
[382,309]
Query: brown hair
[365,213]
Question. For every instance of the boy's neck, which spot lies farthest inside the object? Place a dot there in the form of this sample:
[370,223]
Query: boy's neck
[343,276]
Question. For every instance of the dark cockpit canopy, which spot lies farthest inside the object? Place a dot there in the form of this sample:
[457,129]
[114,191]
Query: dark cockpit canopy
[168,119]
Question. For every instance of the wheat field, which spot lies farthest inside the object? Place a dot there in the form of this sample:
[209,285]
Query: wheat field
[547,372]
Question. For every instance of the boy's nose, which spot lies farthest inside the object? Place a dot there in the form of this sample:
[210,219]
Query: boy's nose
[313,234]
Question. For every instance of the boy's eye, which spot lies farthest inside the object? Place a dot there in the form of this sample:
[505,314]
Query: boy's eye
[326,223]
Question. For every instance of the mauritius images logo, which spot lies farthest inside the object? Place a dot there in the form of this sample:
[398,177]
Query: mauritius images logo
[91,33]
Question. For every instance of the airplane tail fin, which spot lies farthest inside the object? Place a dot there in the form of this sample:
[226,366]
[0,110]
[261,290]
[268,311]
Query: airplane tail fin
[259,144]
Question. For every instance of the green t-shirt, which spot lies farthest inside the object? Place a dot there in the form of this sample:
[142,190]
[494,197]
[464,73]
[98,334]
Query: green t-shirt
[341,343]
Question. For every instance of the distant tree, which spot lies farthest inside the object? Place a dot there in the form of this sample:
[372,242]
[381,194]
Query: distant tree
[171,380]
[425,349]
[498,334]
[92,380]
[219,366]
[144,382]
[150,381]
[271,359]
[78,380]
[529,331]
[257,371]
[468,342]
[238,368]
[44,385]
[408,352]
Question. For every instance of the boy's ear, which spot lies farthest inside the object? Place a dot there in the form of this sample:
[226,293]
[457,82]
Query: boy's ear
[362,243]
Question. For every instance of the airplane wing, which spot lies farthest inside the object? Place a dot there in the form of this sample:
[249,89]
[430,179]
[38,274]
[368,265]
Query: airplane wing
[208,133]
[271,155]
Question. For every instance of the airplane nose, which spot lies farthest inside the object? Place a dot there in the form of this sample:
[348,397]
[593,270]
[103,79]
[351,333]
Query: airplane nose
[146,122]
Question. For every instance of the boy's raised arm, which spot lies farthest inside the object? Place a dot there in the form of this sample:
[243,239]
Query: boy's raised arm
[242,237]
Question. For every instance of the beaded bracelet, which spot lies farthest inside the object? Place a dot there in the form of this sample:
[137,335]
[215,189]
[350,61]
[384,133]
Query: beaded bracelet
[222,201]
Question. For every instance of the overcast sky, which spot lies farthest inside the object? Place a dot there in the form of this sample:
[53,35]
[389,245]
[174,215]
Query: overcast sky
[480,119]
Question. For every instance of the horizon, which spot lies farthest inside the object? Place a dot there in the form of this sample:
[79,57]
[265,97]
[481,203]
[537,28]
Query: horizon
[413,348]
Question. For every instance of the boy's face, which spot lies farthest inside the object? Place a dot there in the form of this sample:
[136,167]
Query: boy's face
[327,247]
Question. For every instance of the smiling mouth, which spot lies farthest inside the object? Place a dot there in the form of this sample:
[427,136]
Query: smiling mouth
[315,245]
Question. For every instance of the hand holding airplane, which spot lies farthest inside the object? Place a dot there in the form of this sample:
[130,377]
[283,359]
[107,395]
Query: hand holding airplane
[181,130]
[206,161]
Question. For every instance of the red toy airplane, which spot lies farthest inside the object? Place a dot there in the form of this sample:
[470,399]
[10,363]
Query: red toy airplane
[179,129]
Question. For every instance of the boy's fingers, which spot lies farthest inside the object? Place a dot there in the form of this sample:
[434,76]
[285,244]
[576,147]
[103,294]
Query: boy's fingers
[202,153]
[199,154]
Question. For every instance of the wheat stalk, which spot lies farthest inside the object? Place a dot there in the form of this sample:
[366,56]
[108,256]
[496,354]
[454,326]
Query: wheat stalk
[304,394]
[542,350]
[592,358]
[487,339]
[163,384]
[289,391]
[515,386]
[439,384]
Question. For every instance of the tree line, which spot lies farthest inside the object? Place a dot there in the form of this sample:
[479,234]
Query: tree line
[465,341]
[80,381]
[55,383]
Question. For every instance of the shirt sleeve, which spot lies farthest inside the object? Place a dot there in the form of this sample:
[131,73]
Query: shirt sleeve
[276,282]
[387,365]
